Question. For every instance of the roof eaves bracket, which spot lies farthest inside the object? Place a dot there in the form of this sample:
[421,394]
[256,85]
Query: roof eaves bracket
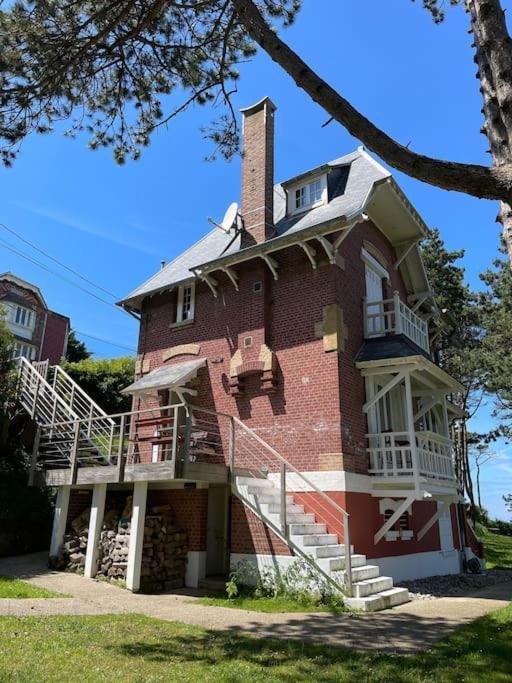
[232,276]
[272,264]
[310,253]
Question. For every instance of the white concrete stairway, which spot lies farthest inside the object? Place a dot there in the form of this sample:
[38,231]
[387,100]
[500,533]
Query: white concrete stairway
[371,592]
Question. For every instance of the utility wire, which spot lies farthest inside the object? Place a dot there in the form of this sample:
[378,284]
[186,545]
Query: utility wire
[63,265]
[107,341]
[6,245]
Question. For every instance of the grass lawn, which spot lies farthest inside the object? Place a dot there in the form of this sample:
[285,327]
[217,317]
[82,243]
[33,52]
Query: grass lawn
[278,604]
[137,648]
[14,588]
[498,551]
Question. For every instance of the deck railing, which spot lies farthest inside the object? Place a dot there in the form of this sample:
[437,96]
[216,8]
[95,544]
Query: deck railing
[391,455]
[393,316]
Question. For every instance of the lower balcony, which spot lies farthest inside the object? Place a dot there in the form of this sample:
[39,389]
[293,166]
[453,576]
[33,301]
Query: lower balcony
[429,457]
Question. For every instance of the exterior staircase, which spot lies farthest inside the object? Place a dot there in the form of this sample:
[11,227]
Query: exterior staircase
[309,538]
[64,413]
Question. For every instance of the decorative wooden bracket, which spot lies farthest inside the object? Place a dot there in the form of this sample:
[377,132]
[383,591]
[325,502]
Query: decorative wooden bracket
[272,264]
[393,519]
[232,276]
[310,253]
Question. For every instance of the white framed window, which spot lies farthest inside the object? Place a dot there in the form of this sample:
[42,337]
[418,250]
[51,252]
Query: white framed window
[23,317]
[26,350]
[186,303]
[308,196]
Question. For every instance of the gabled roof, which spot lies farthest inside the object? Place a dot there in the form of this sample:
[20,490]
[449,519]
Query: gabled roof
[353,183]
[14,279]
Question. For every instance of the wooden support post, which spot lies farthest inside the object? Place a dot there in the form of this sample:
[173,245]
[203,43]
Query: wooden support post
[140,489]
[174,451]
[120,451]
[74,453]
[35,454]
[398,317]
[430,523]
[412,432]
[60,517]
[95,523]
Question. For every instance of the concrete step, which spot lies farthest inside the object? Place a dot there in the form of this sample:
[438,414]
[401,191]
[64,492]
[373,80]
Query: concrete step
[291,508]
[334,550]
[300,518]
[254,481]
[301,529]
[365,572]
[384,600]
[336,564]
[317,539]
[370,586]
[261,490]
[272,497]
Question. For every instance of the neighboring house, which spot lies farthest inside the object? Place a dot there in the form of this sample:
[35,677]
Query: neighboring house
[301,337]
[40,334]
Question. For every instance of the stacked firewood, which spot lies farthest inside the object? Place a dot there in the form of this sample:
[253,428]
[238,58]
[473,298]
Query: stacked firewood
[164,556]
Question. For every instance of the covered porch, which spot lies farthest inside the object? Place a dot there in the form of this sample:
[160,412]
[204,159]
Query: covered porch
[409,413]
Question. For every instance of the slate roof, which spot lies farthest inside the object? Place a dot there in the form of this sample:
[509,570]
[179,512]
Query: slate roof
[350,181]
[390,346]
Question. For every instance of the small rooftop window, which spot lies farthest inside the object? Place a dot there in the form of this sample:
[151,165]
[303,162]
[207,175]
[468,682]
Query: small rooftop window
[308,195]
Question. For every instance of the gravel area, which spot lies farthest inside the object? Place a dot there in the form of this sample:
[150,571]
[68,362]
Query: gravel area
[454,584]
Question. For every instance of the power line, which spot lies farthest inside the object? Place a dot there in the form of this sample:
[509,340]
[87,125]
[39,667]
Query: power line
[107,341]
[63,265]
[6,245]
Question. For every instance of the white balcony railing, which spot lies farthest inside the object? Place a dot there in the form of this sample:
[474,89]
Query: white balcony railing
[391,455]
[392,316]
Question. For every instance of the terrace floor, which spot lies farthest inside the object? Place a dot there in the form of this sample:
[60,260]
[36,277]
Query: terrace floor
[405,629]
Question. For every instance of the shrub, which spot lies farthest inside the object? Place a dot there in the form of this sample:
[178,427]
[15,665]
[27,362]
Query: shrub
[300,582]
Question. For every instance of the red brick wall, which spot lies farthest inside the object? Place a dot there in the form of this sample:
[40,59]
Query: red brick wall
[317,406]
[250,536]
[55,338]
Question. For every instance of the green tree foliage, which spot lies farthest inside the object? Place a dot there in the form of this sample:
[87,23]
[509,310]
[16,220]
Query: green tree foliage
[508,501]
[25,513]
[458,342]
[496,355]
[76,350]
[103,380]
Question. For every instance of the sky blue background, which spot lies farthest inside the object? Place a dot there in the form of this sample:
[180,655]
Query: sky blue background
[114,224]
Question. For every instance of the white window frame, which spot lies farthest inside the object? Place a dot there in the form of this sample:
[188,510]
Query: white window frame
[28,351]
[306,187]
[180,317]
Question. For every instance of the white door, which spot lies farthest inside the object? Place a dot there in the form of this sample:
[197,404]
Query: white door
[445,529]
[374,292]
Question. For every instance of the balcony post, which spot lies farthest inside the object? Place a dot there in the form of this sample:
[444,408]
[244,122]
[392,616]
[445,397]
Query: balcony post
[411,430]
[398,317]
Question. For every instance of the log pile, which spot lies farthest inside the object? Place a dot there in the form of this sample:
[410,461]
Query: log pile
[164,555]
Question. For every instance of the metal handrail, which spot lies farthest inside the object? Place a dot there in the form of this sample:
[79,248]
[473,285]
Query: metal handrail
[88,400]
[346,517]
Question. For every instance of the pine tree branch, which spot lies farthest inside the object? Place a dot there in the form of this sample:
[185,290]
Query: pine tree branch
[478,181]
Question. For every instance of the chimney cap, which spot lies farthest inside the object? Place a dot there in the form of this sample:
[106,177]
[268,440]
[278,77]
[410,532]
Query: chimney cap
[265,101]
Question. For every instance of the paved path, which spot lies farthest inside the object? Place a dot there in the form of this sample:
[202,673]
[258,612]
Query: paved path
[404,629]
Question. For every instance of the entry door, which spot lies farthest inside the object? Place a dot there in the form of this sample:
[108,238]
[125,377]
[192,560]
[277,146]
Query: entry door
[445,530]
[374,292]
[217,531]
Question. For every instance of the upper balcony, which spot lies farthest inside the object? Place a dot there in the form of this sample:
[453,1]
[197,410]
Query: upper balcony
[393,316]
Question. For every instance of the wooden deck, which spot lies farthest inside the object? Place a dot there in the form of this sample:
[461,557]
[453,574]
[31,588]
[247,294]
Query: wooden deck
[158,471]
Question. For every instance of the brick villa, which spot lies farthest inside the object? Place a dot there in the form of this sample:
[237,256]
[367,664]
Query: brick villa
[286,402]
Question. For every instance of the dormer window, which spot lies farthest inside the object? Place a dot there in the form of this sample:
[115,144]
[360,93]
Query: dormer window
[308,195]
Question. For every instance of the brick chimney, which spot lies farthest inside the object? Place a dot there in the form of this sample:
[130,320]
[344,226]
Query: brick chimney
[258,172]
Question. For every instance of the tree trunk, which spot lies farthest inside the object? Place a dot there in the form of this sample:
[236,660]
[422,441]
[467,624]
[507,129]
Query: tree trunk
[478,485]
[493,56]
[494,59]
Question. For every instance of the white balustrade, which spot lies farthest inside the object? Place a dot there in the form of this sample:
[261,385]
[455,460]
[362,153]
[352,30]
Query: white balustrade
[393,316]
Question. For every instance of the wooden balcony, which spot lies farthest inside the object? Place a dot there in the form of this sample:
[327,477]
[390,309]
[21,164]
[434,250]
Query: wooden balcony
[396,461]
[393,316]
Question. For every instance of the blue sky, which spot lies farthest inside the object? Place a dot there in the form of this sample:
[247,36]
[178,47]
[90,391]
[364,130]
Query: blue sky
[115,224]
